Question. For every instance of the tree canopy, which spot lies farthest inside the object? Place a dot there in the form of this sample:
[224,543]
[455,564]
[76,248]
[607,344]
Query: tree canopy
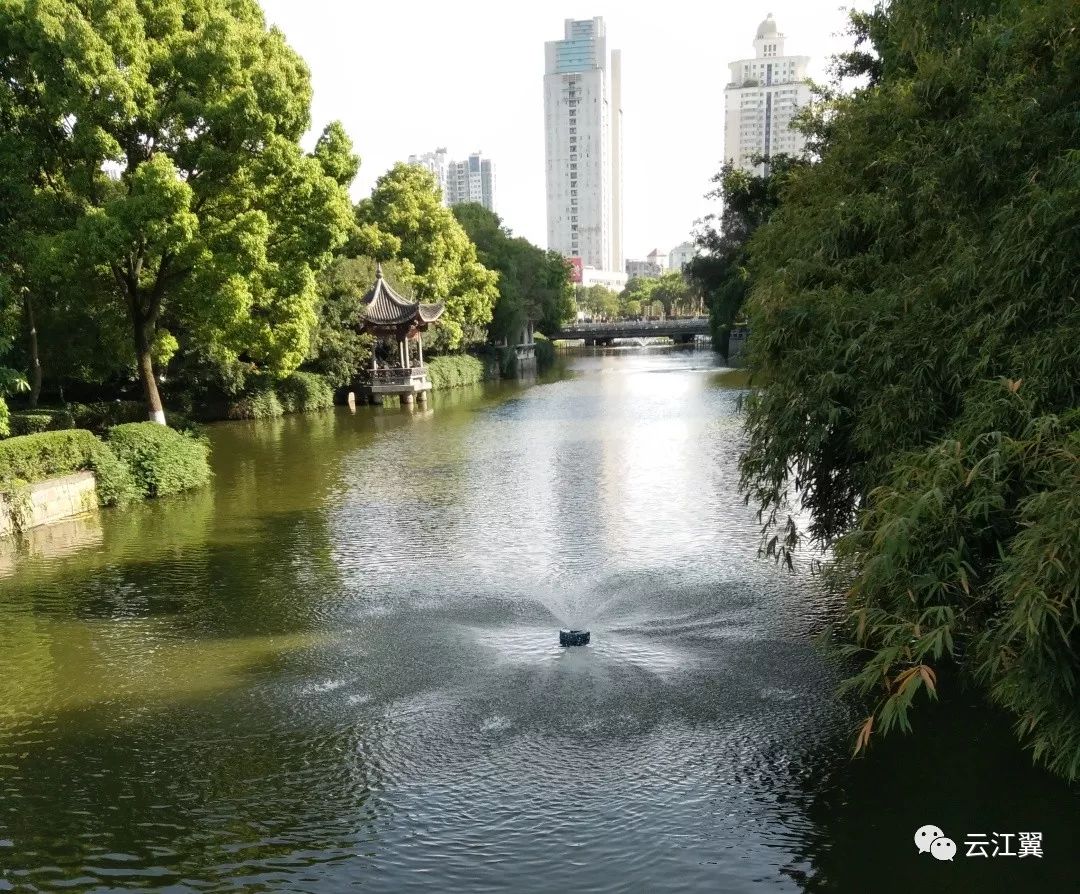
[533,284]
[404,218]
[720,269]
[156,145]
[914,310]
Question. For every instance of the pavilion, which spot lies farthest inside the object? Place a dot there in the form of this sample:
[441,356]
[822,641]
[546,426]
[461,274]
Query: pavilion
[386,314]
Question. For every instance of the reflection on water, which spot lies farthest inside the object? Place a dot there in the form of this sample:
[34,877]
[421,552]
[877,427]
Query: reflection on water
[339,665]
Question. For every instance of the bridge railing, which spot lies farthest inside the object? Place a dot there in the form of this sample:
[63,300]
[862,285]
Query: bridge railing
[698,324]
[694,323]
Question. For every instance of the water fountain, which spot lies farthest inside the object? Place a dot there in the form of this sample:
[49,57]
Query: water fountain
[573,637]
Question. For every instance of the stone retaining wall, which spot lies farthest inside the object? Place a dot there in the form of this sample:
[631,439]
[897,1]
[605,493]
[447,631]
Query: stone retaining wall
[50,500]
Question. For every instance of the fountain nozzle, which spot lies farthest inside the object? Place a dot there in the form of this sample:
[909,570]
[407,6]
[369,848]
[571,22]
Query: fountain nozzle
[573,637]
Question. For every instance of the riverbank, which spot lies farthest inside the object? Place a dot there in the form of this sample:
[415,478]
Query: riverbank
[44,476]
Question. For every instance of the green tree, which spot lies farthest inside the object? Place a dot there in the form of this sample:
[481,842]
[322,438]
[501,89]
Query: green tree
[533,284]
[598,301]
[673,292]
[637,293]
[404,218]
[720,270]
[174,128]
[915,313]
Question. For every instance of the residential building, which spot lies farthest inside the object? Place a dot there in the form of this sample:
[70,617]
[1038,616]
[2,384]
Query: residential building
[653,266]
[643,269]
[583,142]
[435,162]
[761,99]
[681,255]
[472,180]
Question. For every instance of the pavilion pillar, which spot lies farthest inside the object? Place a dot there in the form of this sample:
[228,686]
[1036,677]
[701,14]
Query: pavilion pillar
[408,358]
[420,347]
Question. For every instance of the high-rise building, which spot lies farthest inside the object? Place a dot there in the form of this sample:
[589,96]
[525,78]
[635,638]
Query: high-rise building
[436,163]
[761,99]
[583,127]
[472,180]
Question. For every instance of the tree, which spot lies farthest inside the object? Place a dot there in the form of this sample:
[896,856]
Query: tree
[533,284]
[404,218]
[720,270]
[174,129]
[599,301]
[914,311]
[637,293]
[673,292]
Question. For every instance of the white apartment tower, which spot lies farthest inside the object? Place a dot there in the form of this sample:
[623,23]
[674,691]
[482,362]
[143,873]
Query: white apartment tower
[472,180]
[583,128]
[761,99]
[436,163]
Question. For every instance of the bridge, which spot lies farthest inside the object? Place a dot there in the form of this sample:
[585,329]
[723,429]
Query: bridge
[679,330]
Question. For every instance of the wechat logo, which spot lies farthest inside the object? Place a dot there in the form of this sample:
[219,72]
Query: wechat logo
[931,840]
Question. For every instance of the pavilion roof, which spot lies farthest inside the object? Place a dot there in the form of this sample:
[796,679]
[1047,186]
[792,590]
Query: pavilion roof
[383,307]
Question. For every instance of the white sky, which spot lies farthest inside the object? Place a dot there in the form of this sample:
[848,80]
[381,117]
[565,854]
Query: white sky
[406,76]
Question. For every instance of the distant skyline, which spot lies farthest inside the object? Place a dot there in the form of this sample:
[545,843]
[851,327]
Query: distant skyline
[404,78]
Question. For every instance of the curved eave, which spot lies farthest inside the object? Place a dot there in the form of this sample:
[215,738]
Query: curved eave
[429,313]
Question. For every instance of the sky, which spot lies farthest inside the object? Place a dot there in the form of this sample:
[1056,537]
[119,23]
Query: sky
[409,76]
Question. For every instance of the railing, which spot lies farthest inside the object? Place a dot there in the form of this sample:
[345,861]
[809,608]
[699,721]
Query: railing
[397,375]
[694,323]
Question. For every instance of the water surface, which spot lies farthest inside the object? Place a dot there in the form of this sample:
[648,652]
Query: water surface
[338,666]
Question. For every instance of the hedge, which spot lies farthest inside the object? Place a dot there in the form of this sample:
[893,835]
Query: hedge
[4,430]
[455,370]
[163,461]
[29,458]
[30,422]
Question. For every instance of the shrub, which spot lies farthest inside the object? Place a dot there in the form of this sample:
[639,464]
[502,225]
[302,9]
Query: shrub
[4,428]
[545,352]
[29,458]
[188,426]
[103,415]
[28,423]
[304,392]
[31,422]
[162,461]
[260,404]
[455,370]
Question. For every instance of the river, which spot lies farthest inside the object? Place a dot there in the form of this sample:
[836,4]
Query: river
[338,666]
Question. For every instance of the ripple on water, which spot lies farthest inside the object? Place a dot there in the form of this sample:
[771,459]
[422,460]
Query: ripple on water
[339,667]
